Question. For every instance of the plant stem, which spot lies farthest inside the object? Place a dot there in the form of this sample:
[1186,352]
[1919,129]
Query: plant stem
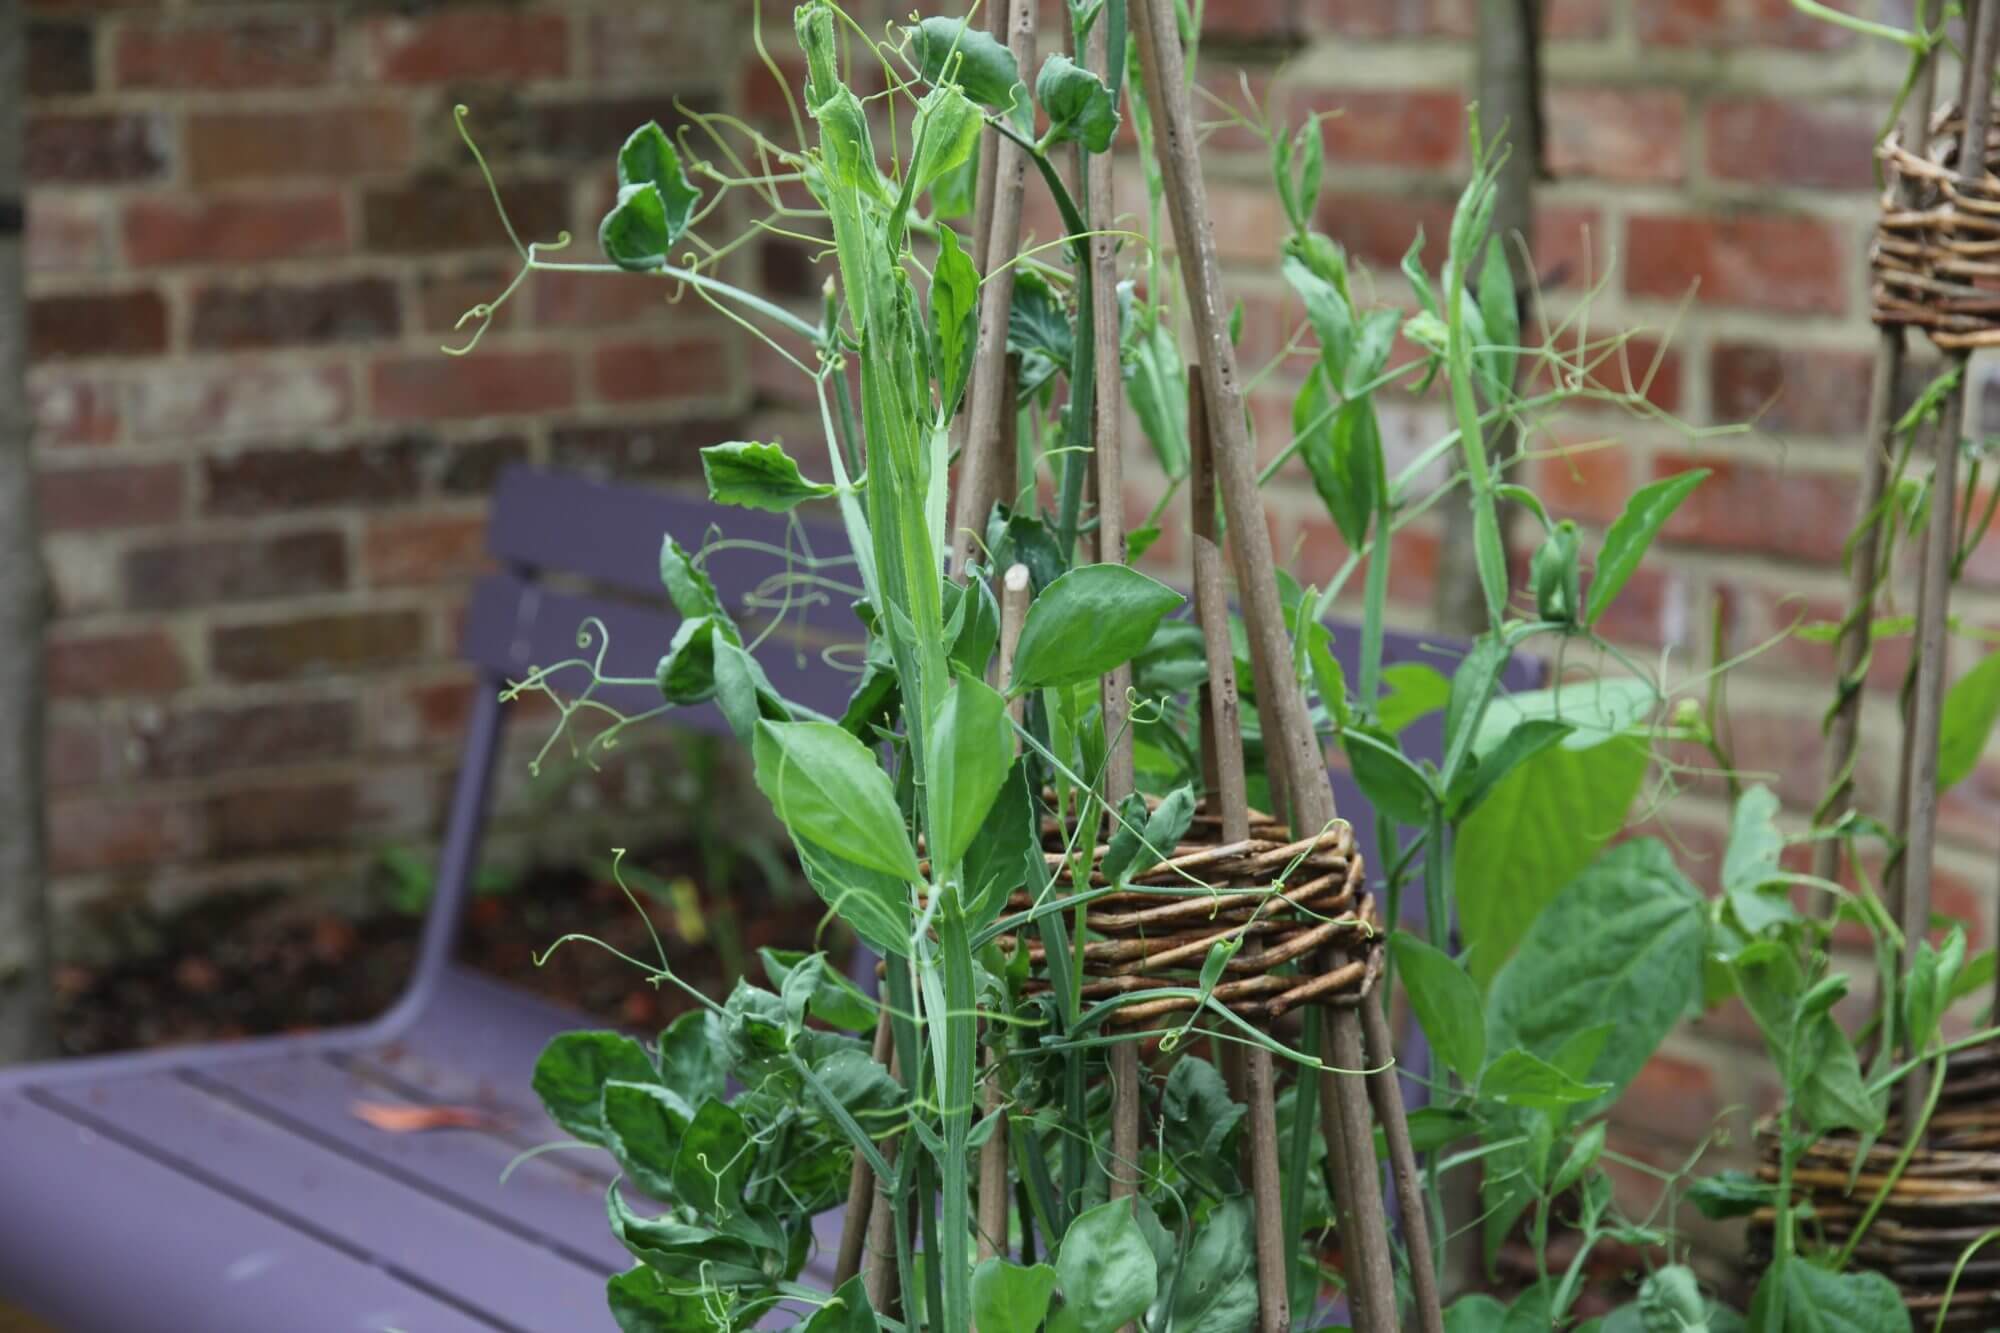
[1912,1136]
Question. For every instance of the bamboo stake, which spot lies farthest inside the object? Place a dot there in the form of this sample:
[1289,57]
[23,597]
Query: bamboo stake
[977,484]
[1844,728]
[1386,1092]
[994,1191]
[1344,1113]
[1939,546]
[861,1181]
[1259,1082]
[879,1281]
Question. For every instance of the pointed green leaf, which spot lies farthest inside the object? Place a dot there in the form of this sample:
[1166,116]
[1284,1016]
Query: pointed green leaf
[1106,1269]
[1007,1298]
[571,1073]
[1971,707]
[1625,544]
[828,789]
[1446,1003]
[649,158]
[1078,104]
[757,476]
[971,749]
[953,50]
[1086,622]
[1520,1079]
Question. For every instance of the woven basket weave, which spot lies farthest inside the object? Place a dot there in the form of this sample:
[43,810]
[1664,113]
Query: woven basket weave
[1300,902]
[1947,1198]
[1936,254]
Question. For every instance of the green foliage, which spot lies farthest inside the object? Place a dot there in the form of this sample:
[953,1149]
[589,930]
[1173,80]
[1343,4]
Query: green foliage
[571,1074]
[1078,104]
[1105,1269]
[655,202]
[1446,1002]
[1971,706]
[1007,1298]
[956,51]
[1086,622]
[828,790]
[1625,544]
[1799,1297]
[757,476]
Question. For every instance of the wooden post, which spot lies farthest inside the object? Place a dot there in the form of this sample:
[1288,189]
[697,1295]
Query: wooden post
[880,1279]
[861,1180]
[1379,1047]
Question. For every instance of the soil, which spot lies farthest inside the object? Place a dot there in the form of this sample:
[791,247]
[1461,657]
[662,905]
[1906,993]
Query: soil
[249,965]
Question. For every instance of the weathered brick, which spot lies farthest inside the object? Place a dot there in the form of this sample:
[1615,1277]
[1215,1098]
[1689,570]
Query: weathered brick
[669,449]
[122,495]
[62,59]
[207,572]
[428,218]
[75,754]
[650,371]
[91,833]
[443,299]
[1746,506]
[317,645]
[1378,227]
[669,45]
[466,44]
[95,666]
[67,233]
[265,820]
[210,402]
[1790,389]
[470,467]
[1419,128]
[132,322]
[277,315]
[1590,484]
[1672,1097]
[273,480]
[1784,141]
[1794,265]
[1253,21]
[332,142]
[194,742]
[423,548]
[1616,134]
[214,54]
[1639,367]
[487,383]
[96,148]
[233,229]
[1734,23]
[70,410]
[589,129]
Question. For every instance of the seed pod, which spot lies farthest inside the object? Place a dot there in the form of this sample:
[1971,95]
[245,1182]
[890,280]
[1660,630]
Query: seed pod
[1558,583]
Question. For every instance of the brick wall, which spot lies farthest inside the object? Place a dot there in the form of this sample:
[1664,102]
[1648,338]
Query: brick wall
[251,226]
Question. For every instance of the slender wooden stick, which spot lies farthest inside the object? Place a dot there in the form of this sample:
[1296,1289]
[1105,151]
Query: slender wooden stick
[1939,546]
[989,159]
[1371,1279]
[1387,1094]
[879,1280]
[861,1181]
[977,485]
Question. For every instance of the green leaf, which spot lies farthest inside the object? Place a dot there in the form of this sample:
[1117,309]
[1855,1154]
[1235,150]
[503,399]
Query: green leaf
[1797,1297]
[648,158]
[757,476]
[1500,312]
[1477,1313]
[1087,622]
[1625,544]
[643,1301]
[571,1073]
[1518,1078]
[688,585]
[979,625]
[1078,104]
[1328,308]
[691,1056]
[1555,577]
[1156,383]
[875,904]
[1971,706]
[713,1161]
[634,234]
[1343,455]
[1007,1298]
[687,1255]
[1393,785]
[1106,1269]
[1196,1110]
[1414,690]
[945,132]
[847,1312]
[829,790]
[1731,1193]
[1534,833]
[953,50]
[686,675]
[1446,1002]
[645,1122]
[1005,852]
[1832,1094]
[1751,862]
[1214,1285]
[742,691]
[1329,677]
[1583,1155]
[835,1000]
[1623,938]
[971,745]
[1524,742]
[954,317]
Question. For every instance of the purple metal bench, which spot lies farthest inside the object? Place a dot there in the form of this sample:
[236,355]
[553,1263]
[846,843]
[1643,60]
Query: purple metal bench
[231,1189]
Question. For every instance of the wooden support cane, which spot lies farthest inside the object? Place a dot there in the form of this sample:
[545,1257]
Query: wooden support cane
[1379,1047]
[861,1180]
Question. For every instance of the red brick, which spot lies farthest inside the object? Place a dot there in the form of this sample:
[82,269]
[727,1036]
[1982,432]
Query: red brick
[672,45]
[196,742]
[1371,18]
[664,449]
[229,317]
[435,386]
[1377,227]
[90,834]
[317,645]
[426,219]
[595,300]
[1421,129]
[332,142]
[132,322]
[1777,141]
[262,481]
[238,229]
[1569,247]
[1652,609]
[1793,265]
[443,299]
[649,371]
[1413,568]
[97,666]
[213,571]
[75,754]
[1746,506]
[62,59]
[1589,484]
[1734,23]
[207,402]
[1790,389]
[1672,1097]
[266,820]
[761,96]
[87,499]
[1616,135]
[67,233]
[218,54]
[1784,610]
[1640,367]
[488,45]
[71,411]
[1252,20]
[577,129]
[96,148]
[423,548]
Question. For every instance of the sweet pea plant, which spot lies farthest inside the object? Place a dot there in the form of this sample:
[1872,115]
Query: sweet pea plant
[919,815]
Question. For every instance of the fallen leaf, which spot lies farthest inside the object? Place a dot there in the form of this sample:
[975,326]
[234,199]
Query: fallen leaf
[391,1118]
